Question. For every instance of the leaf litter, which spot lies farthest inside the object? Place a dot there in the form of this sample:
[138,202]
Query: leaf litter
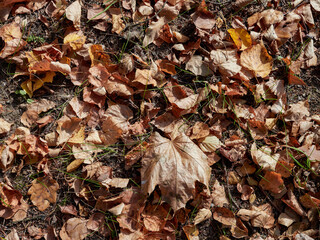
[158,146]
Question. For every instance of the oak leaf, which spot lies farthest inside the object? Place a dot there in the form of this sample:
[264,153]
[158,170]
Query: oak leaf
[43,192]
[175,165]
[257,60]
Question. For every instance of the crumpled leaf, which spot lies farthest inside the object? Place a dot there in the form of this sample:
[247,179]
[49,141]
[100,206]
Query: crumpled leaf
[152,31]
[241,38]
[74,229]
[264,157]
[257,60]
[73,13]
[293,203]
[191,232]
[175,165]
[260,216]
[43,192]
[13,235]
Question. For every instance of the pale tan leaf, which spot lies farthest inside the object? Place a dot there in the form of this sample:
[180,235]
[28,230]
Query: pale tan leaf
[210,144]
[74,165]
[227,61]
[264,157]
[4,126]
[218,194]
[202,215]
[74,229]
[257,60]
[197,66]
[175,165]
[73,13]
[315,4]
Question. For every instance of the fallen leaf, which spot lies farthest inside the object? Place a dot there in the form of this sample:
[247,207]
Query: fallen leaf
[152,31]
[175,165]
[13,235]
[257,60]
[203,18]
[293,203]
[224,216]
[260,216]
[272,181]
[191,232]
[197,66]
[264,157]
[315,4]
[4,126]
[73,13]
[74,40]
[227,61]
[74,165]
[154,217]
[218,194]
[241,38]
[43,192]
[202,215]
[74,229]
[210,144]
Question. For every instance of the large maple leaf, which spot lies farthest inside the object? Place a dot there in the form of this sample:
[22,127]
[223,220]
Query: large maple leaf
[175,165]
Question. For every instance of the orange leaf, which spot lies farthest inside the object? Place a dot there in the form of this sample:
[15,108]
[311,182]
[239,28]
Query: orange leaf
[241,38]
[272,182]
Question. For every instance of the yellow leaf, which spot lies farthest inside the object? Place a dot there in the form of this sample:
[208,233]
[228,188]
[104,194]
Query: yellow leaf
[241,38]
[74,40]
[78,136]
[257,60]
[74,165]
[27,86]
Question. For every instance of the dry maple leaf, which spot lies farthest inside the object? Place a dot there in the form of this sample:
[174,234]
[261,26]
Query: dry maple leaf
[43,192]
[257,60]
[175,165]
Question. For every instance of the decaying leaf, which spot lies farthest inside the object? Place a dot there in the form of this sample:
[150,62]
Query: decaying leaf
[43,192]
[227,61]
[4,126]
[73,13]
[175,165]
[272,181]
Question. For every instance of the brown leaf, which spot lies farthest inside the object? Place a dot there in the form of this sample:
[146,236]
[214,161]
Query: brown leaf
[197,66]
[257,60]
[75,40]
[43,192]
[97,222]
[224,216]
[13,235]
[175,165]
[203,18]
[74,165]
[218,194]
[154,217]
[272,181]
[69,209]
[191,232]
[66,127]
[35,232]
[202,215]
[74,229]
[293,203]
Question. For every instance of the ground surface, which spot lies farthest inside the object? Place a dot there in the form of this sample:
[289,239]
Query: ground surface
[141,126]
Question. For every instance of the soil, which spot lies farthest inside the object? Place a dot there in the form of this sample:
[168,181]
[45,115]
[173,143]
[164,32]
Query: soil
[62,90]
